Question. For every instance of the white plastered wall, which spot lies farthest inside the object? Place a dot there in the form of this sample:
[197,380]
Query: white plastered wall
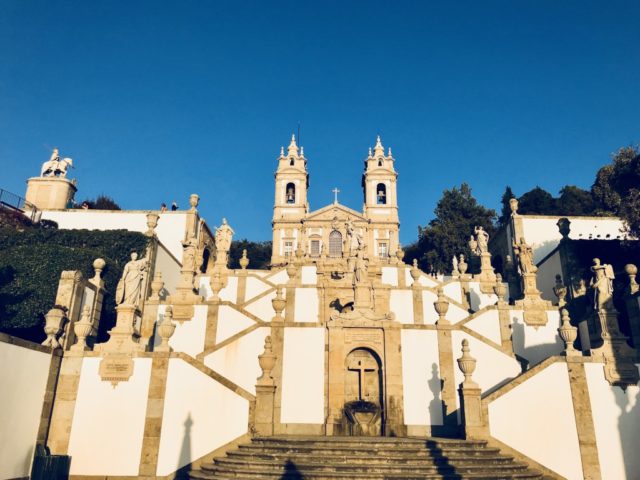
[188,336]
[390,276]
[546,276]
[238,361]
[309,275]
[536,343]
[478,299]
[195,425]
[537,419]
[169,267]
[543,235]
[170,229]
[454,313]
[23,376]
[487,324]
[307,305]
[230,322]
[303,376]
[112,418]
[401,304]
[421,377]
[616,418]
[255,287]
[262,307]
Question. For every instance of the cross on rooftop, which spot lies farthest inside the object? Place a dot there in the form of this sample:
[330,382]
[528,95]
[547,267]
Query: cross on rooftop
[335,194]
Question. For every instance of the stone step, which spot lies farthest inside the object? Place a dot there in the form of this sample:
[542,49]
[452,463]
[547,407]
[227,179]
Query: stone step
[329,465]
[371,458]
[374,457]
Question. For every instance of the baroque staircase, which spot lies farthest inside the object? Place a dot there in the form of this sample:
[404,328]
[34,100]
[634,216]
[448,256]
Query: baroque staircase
[371,458]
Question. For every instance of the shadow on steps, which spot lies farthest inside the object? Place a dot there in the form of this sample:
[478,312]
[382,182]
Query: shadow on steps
[291,472]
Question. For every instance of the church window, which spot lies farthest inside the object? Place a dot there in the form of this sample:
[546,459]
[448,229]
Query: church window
[383,250]
[292,162]
[335,244]
[288,248]
[291,193]
[381,195]
[315,248]
[379,163]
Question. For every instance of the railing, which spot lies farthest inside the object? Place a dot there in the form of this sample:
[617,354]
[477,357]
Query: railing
[17,203]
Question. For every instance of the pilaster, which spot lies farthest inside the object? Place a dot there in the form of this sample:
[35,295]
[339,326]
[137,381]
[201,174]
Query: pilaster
[65,403]
[213,306]
[447,374]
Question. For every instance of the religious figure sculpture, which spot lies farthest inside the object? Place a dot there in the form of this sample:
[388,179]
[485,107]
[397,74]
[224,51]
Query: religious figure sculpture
[525,257]
[129,287]
[55,167]
[354,238]
[454,265]
[602,284]
[360,267]
[480,244]
[224,234]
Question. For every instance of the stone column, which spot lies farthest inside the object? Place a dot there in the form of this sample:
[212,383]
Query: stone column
[503,314]
[395,426]
[475,418]
[265,393]
[416,292]
[277,347]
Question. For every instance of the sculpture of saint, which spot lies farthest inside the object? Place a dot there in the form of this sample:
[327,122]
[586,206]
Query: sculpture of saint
[480,244]
[525,257]
[224,234]
[360,267]
[129,287]
[602,284]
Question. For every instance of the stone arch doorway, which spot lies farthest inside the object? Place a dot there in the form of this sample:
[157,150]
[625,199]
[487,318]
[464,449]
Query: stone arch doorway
[363,393]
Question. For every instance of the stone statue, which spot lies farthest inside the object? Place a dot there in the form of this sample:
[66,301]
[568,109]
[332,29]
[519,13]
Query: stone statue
[479,244]
[224,234]
[354,237]
[602,284]
[525,257]
[454,265]
[129,287]
[55,167]
[360,267]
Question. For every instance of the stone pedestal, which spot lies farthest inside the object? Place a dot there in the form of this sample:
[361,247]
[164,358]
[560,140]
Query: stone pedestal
[264,410]
[618,356]
[121,337]
[487,276]
[50,193]
[534,307]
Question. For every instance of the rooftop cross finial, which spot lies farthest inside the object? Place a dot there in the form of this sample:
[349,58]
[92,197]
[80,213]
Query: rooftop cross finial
[335,194]
[379,149]
[293,148]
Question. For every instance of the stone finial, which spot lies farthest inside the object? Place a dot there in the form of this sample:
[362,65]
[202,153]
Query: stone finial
[568,334]
[54,321]
[631,270]
[301,152]
[370,152]
[513,205]
[560,291]
[378,150]
[415,271]
[500,288]
[152,223]
[267,361]
[165,330]
[157,284]
[82,329]
[281,151]
[291,269]
[442,306]
[564,227]
[278,303]
[467,364]
[98,267]
[400,254]
[244,261]
[292,151]
[389,152]
[194,200]
[462,265]
[216,285]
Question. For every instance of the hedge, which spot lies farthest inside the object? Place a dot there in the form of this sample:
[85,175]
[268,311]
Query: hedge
[31,262]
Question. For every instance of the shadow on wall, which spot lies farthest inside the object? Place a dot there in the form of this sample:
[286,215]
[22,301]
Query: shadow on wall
[628,423]
[437,407]
[185,450]
[533,353]
[291,472]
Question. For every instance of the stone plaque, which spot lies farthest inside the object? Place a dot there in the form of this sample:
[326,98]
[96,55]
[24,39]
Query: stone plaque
[363,336]
[116,369]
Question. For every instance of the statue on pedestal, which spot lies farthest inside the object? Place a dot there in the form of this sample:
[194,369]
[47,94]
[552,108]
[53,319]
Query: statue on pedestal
[602,284]
[224,234]
[360,268]
[525,257]
[55,167]
[129,287]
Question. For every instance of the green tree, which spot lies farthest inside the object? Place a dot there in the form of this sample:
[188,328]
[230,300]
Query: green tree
[505,215]
[259,254]
[456,215]
[617,187]
[575,201]
[102,202]
[537,202]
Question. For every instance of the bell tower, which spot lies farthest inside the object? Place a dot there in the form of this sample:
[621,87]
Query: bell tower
[379,184]
[290,205]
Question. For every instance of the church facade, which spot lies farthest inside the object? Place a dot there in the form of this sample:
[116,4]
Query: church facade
[334,231]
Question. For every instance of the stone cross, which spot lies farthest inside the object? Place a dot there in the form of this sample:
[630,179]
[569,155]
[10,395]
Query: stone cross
[335,194]
[362,366]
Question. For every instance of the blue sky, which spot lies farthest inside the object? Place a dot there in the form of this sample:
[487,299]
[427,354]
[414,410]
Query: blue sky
[156,100]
